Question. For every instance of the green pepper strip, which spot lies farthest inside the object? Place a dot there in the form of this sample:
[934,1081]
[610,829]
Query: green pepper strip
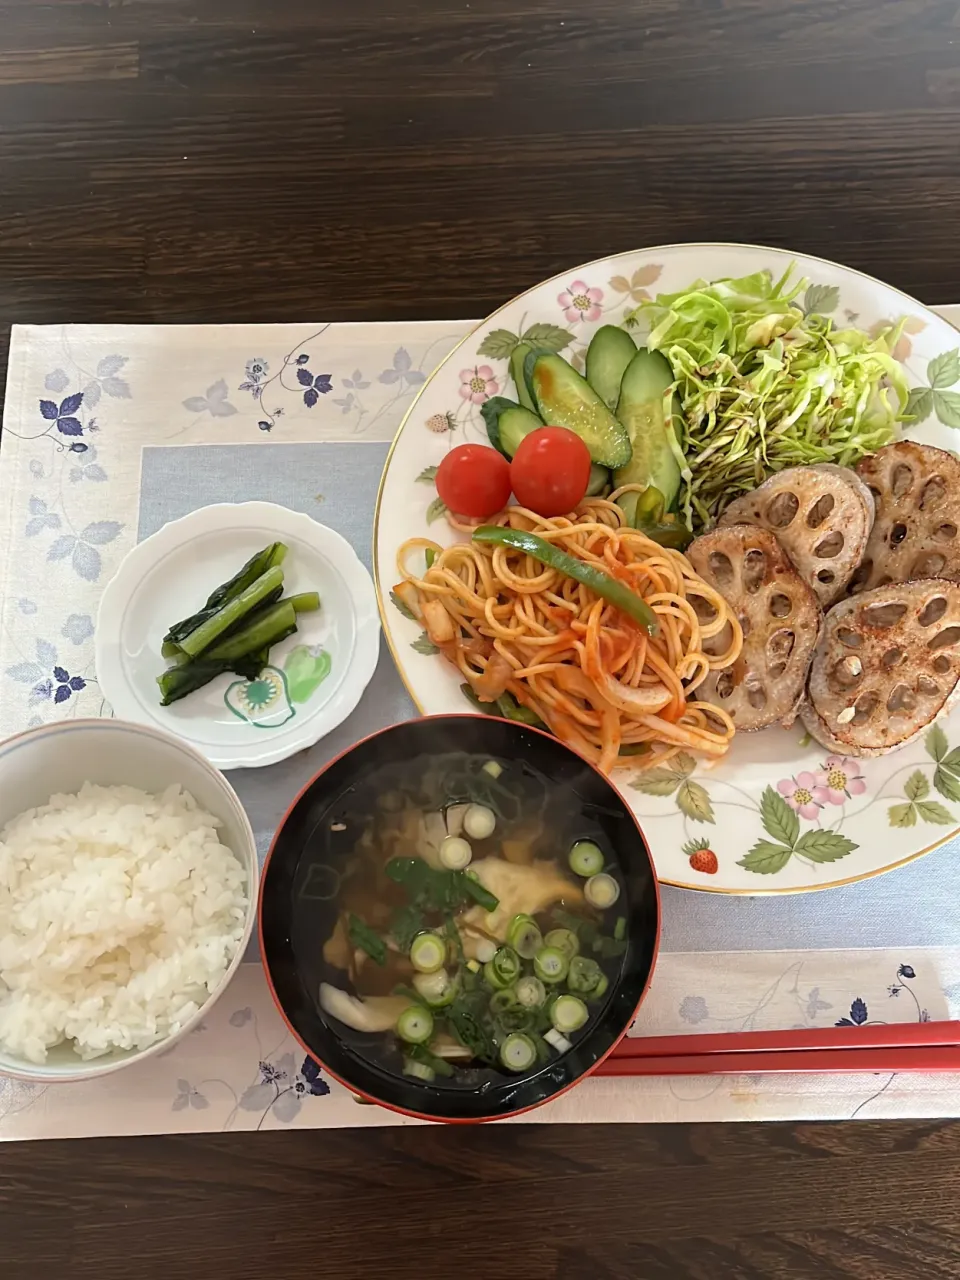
[614,592]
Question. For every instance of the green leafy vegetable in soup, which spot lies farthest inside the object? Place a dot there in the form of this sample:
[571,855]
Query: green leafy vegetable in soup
[452,974]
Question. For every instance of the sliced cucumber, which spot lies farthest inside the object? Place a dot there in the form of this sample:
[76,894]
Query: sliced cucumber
[599,480]
[514,425]
[640,409]
[610,351]
[567,400]
[517,364]
[491,411]
[507,423]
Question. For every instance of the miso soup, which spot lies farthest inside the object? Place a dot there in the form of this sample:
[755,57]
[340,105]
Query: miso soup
[459,918]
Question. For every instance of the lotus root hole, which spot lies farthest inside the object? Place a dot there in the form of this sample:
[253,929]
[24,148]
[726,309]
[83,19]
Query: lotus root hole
[820,510]
[902,480]
[901,699]
[826,576]
[933,611]
[866,706]
[754,570]
[945,532]
[892,658]
[848,671]
[780,645]
[850,638]
[897,534]
[945,638]
[725,684]
[780,606]
[704,609]
[829,546]
[883,615]
[926,687]
[933,492]
[941,664]
[928,564]
[756,694]
[744,625]
[721,567]
[782,509]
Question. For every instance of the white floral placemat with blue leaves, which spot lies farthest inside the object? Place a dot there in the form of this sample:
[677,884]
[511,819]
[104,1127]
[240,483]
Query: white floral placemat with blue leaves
[110,431]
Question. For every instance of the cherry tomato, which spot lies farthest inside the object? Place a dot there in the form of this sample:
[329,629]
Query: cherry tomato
[550,471]
[474,481]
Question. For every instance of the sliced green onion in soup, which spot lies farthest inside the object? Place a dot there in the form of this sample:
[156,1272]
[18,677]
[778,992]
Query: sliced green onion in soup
[568,1013]
[479,822]
[556,1040]
[551,964]
[518,1052]
[437,988]
[586,858]
[506,965]
[620,929]
[415,1025]
[524,936]
[503,1000]
[418,1070]
[584,975]
[455,853]
[564,940]
[428,952]
[531,992]
[601,891]
[600,989]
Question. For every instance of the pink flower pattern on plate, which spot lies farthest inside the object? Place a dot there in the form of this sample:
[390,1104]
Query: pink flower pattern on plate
[842,779]
[804,793]
[581,302]
[479,384]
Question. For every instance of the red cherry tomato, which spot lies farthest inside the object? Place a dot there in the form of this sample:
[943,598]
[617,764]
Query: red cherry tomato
[550,471]
[474,481]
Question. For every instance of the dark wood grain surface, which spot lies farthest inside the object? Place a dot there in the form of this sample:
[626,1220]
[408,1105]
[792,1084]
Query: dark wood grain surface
[261,160]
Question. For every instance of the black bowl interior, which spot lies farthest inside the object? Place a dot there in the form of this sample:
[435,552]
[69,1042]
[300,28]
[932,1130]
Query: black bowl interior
[291,931]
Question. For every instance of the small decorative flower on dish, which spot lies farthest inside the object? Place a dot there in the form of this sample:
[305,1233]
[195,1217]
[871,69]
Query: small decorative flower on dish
[581,302]
[842,779]
[478,384]
[804,793]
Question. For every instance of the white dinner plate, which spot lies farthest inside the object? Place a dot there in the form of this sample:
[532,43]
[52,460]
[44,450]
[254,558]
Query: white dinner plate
[313,680]
[779,813]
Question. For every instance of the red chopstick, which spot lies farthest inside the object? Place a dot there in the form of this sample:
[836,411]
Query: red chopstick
[914,1046]
[876,1036]
[932,1058]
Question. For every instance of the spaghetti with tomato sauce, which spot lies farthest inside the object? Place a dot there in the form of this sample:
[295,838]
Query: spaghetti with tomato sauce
[598,680]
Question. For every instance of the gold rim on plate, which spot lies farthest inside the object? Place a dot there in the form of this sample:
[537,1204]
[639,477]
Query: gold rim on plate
[487,320]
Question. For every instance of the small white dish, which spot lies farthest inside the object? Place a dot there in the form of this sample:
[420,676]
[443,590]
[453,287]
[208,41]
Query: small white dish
[314,679]
[61,757]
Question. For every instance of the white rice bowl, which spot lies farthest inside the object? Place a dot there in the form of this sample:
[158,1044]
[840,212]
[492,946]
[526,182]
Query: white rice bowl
[120,914]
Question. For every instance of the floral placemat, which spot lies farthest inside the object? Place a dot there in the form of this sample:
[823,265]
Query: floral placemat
[241,1070]
[109,431]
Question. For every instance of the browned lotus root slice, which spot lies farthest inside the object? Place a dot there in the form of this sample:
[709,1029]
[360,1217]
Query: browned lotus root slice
[821,516]
[915,534]
[886,666]
[780,617]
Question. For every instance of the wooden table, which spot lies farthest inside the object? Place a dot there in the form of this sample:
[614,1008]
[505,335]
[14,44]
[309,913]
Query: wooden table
[217,160]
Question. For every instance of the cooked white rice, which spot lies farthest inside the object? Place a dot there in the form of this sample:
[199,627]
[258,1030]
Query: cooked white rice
[120,913]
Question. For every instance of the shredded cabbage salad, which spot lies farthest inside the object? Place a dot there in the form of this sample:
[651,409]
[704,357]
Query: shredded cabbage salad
[763,386]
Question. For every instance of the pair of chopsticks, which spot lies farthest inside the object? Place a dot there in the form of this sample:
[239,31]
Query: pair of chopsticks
[915,1046]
